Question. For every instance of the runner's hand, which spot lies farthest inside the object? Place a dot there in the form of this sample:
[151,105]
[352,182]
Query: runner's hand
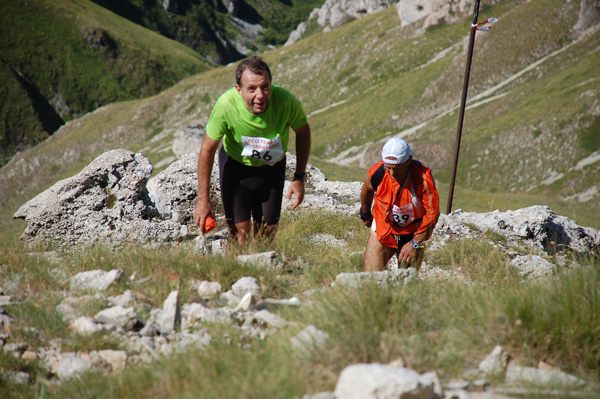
[407,255]
[297,190]
[202,209]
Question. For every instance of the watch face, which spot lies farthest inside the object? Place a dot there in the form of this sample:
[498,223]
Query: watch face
[415,245]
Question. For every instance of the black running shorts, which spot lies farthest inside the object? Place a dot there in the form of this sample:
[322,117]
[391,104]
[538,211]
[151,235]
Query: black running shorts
[401,240]
[254,191]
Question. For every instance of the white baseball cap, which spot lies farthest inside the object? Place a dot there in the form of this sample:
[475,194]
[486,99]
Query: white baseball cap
[396,151]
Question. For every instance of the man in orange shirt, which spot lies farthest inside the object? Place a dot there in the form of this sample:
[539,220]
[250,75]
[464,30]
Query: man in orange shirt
[405,207]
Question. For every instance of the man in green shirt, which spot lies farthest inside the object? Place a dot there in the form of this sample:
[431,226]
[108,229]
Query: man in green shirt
[253,120]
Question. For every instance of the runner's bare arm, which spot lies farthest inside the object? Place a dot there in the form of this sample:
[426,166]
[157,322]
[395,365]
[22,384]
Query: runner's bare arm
[366,200]
[420,238]
[205,163]
[303,142]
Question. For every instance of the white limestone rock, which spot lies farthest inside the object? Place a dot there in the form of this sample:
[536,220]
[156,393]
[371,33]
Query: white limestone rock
[376,381]
[124,318]
[97,280]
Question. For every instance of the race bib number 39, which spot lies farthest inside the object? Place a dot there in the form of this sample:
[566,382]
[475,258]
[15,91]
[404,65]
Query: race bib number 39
[402,215]
[266,150]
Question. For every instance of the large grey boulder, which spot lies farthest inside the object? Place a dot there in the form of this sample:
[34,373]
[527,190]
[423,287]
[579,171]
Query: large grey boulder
[106,202]
[114,201]
[535,227]
[174,190]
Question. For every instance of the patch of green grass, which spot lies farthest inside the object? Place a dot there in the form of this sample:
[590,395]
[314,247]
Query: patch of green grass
[99,340]
[472,226]
[38,311]
[298,231]
[570,299]
[345,74]
[476,260]
[265,370]
[495,236]
[590,138]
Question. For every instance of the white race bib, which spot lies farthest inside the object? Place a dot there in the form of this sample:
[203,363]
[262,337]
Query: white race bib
[267,150]
[402,215]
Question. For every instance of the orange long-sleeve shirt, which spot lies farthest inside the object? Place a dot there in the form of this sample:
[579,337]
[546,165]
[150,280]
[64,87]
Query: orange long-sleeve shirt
[401,208]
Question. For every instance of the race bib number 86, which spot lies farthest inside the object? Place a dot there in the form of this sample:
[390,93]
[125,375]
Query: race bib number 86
[266,150]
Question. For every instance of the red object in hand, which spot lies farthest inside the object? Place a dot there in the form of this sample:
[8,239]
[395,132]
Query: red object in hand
[209,224]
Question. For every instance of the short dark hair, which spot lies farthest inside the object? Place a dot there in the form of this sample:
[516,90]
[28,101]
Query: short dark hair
[255,64]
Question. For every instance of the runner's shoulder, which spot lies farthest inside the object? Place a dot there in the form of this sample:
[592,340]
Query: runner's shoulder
[282,94]
[227,103]
[422,169]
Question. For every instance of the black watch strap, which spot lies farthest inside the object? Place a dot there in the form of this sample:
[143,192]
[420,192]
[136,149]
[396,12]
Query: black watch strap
[299,176]
[364,216]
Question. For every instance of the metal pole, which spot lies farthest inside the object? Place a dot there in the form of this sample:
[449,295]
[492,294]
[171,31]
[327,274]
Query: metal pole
[463,102]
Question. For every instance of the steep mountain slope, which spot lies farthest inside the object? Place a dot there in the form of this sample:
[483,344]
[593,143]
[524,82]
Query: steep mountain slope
[533,97]
[222,30]
[530,134]
[61,59]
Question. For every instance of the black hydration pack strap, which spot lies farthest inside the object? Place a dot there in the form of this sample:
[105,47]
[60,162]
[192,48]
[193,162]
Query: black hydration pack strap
[377,177]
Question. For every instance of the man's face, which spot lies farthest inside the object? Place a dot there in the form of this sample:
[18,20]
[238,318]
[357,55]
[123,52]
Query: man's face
[255,90]
[398,171]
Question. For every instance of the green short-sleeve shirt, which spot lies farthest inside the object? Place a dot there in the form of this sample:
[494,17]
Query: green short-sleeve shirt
[231,121]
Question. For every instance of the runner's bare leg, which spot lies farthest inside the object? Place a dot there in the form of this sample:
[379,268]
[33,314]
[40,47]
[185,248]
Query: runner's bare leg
[377,255]
[265,230]
[239,231]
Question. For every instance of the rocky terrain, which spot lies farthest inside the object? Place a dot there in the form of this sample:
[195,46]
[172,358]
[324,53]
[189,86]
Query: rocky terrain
[335,13]
[386,86]
[113,201]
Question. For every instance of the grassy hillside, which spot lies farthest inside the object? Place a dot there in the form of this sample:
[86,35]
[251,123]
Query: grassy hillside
[532,109]
[62,59]
[443,324]
[532,98]
[208,28]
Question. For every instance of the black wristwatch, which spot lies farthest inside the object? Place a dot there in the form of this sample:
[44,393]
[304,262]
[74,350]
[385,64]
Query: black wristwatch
[364,216]
[299,176]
